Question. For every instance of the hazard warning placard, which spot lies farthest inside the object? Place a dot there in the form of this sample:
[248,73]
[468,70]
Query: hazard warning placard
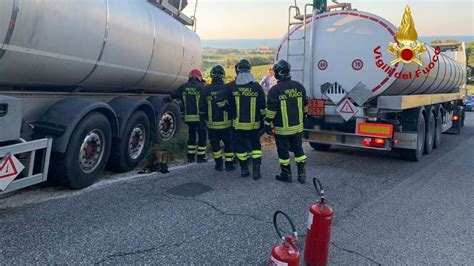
[347,109]
[10,168]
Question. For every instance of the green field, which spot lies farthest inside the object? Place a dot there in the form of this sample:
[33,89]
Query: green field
[470,89]
[260,60]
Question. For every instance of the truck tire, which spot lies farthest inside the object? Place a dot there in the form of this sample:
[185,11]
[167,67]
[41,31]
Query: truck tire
[416,155]
[457,126]
[439,125]
[169,122]
[86,155]
[430,130]
[320,146]
[129,151]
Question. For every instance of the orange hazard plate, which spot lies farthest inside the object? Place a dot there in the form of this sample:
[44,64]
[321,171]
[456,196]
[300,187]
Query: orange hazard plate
[316,107]
[376,130]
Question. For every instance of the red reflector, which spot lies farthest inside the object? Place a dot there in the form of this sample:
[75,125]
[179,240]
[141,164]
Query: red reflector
[456,118]
[373,142]
[366,142]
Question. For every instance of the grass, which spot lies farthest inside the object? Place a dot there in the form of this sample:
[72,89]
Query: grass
[228,58]
[470,89]
[177,146]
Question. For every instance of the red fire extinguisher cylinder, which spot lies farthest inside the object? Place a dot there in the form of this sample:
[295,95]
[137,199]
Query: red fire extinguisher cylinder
[285,253]
[319,230]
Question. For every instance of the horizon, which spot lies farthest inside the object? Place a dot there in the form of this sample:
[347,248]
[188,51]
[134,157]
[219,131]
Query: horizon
[268,19]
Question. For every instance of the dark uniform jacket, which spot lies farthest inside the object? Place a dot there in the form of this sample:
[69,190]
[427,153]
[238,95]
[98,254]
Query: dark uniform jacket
[245,103]
[190,94]
[215,117]
[287,106]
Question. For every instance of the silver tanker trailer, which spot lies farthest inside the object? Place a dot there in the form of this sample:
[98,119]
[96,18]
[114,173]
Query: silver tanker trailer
[372,85]
[82,85]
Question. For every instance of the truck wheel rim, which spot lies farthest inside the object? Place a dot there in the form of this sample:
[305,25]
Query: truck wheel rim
[136,142]
[92,151]
[167,126]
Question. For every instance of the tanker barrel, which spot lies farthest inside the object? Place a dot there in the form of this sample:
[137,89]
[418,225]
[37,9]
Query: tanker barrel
[355,47]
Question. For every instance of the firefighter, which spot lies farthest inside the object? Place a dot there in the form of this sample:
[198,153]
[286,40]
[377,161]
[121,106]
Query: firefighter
[245,100]
[287,108]
[189,94]
[218,121]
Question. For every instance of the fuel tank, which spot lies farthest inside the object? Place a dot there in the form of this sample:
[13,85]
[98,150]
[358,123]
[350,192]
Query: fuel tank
[96,45]
[349,47]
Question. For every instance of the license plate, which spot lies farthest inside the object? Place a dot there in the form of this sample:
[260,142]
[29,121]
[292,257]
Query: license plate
[316,107]
[323,137]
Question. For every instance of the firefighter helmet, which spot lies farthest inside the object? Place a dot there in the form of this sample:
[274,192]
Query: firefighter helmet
[218,71]
[243,66]
[282,69]
[195,73]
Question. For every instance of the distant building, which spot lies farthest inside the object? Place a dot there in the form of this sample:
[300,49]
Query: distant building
[265,48]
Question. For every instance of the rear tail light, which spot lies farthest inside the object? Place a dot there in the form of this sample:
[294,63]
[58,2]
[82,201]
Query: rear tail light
[455,117]
[373,142]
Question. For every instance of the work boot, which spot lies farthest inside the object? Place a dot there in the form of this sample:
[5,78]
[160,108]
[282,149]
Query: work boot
[301,173]
[285,175]
[219,164]
[229,166]
[191,158]
[256,171]
[201,159]
[244,168]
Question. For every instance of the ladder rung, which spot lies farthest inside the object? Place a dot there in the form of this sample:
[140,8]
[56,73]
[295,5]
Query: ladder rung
[296,54]
[296,23]
[297,70]
[296,39]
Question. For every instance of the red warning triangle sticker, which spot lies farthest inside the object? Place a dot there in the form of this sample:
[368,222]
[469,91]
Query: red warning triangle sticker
[8,168]
[347,108]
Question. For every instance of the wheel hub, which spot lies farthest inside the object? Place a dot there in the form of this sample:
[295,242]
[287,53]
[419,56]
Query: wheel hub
[92,151]
[167,126]
[136,141]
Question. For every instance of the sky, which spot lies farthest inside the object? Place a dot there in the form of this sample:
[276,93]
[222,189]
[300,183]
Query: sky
[268,19]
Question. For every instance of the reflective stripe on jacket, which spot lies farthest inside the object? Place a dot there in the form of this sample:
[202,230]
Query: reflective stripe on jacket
[245,103]
[190,94]
[215,117]
[287,106]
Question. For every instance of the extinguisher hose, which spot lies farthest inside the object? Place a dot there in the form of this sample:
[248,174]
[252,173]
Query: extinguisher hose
[277,229]
[319,188]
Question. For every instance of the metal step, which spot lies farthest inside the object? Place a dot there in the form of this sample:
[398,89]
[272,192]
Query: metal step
[296,23]
[296,54]
[301,17]
[296,39]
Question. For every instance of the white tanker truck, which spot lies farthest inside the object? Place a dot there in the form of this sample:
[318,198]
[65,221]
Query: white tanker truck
[372,85]
[82,85]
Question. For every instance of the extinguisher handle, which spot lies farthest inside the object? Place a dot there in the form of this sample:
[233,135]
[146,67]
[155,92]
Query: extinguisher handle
[319,187]
[277,229]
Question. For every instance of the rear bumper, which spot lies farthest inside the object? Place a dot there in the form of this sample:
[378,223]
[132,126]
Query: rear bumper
[400,140]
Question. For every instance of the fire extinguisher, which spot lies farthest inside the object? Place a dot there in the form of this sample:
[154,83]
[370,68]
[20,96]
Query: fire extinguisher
[319,230]
[285,253]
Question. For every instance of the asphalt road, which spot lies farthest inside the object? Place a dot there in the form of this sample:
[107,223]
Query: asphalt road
[388,211]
